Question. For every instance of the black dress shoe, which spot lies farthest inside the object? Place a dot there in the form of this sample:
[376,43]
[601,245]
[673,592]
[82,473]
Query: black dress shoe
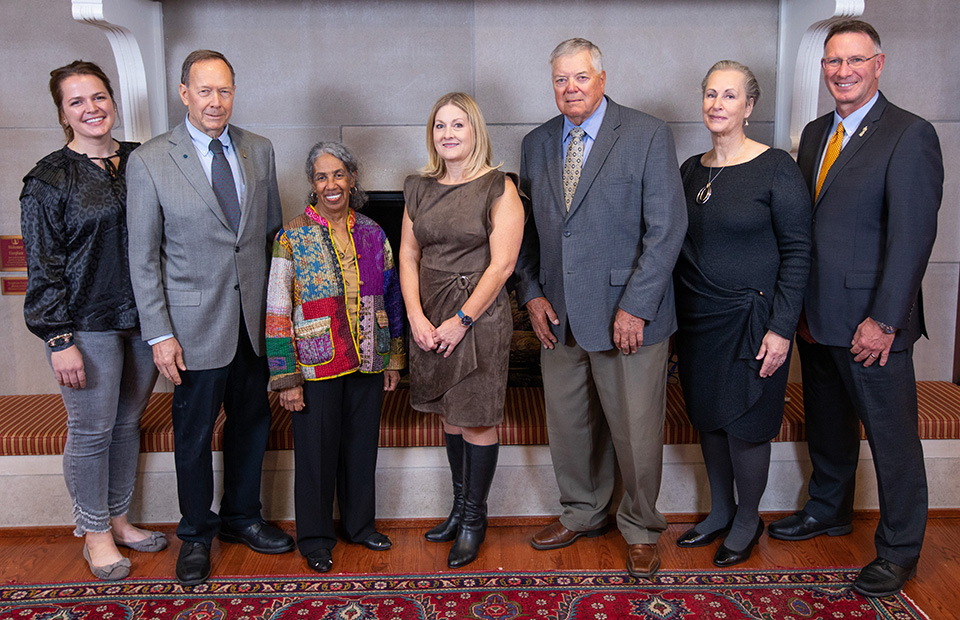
[261,537]
[693,538]
[726,556]
[801,526]
[320,560]
[377,542]
[193,563]
[883,578]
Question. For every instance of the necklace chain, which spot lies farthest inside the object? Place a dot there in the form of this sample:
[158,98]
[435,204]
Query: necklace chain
[707,190]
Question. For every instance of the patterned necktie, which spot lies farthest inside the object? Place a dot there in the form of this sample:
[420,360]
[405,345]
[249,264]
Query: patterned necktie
[224,187]
[572,166]
[833,151]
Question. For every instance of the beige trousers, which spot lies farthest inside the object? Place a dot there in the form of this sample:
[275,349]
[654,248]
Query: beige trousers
[605,408]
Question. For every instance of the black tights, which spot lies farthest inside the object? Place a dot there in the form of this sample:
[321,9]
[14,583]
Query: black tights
[730,460]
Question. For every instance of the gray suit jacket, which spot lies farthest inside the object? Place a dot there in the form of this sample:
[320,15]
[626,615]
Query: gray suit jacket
[190,272]
[617,246]
[874,224]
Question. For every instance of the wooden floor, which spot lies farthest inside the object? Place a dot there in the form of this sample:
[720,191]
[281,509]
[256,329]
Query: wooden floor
[53,555]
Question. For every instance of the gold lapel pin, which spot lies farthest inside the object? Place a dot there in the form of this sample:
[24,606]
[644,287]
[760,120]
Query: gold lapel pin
[243,152]
[862,131]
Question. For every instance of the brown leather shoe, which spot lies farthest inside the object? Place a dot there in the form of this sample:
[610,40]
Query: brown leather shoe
[643,561]
[556,536]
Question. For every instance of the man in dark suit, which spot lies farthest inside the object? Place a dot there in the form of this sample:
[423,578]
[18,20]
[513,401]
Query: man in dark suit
[608,219]
[876,176]
[202,209]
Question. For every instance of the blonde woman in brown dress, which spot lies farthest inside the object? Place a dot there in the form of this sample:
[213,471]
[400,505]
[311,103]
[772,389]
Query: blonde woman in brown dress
[462,228]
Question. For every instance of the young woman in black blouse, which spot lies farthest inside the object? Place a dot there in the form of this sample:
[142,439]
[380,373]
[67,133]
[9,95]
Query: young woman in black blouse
[80,303]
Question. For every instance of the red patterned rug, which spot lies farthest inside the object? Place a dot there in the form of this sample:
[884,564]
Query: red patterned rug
[568,595]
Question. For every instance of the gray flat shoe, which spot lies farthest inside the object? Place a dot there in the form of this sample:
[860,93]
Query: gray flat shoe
[157,541]
[113,572]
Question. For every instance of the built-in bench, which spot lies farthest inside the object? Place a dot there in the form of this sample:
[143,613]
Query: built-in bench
[413,478]
[36,424]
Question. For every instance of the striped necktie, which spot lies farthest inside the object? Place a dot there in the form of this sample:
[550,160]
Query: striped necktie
[833,151]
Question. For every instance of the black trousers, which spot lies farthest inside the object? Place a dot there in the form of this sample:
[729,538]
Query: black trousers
[241,387]
[335,448]
[837,393]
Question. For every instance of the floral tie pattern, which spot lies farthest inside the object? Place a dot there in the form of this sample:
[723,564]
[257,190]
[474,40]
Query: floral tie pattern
[572,166]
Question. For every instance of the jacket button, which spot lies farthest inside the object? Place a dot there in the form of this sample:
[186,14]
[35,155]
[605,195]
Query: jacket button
[236,249]
[566,233]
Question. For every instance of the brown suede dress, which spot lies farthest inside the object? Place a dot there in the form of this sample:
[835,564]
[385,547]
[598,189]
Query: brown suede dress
[452,226]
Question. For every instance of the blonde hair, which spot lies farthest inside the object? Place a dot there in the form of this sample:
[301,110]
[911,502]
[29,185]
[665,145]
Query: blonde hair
[482,155]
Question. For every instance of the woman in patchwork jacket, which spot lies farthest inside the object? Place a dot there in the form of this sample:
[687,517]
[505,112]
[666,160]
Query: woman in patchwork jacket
[334,343]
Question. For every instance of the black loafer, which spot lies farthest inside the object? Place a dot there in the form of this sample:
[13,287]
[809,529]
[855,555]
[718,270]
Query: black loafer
[692,538]
[377,542]
[261,537]
[726,556]
[193,563]
[801,526]
[883,578]
[320,560]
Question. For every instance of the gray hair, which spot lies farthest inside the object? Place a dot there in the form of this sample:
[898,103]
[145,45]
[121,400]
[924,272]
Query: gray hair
[358,198]
[752,86]
[575,46]
[200,56]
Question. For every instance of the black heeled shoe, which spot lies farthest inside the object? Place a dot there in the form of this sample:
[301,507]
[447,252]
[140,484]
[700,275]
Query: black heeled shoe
[692,538]
[726,556]
[320,560]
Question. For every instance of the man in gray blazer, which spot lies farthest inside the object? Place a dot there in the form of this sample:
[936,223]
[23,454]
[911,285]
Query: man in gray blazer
[608,219]
[202,210]
[875,172]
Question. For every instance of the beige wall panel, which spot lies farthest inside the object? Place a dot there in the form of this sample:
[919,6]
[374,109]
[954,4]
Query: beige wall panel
[655,53]
[933,357]
[328,63]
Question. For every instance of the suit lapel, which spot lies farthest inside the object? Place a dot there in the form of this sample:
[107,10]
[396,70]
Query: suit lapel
[248,180]
[860,136]
[553,155]
[185,156]
[606,138]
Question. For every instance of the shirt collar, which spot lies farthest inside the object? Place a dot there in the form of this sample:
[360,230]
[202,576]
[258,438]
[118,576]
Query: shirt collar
[590,126]
[853,120]
[201,141]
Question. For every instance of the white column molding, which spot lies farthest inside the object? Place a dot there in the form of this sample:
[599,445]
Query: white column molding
[803,28]
[128,25]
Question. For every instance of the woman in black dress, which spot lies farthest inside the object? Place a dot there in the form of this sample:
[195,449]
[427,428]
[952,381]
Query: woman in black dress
[739,284]
[80,303]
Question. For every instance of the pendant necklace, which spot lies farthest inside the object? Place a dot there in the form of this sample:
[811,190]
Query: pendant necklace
[707,190]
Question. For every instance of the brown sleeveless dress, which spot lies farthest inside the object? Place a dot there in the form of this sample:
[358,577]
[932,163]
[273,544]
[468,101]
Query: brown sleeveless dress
[452,225]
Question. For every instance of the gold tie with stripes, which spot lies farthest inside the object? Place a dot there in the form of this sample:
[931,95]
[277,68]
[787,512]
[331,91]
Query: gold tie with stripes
[833,151]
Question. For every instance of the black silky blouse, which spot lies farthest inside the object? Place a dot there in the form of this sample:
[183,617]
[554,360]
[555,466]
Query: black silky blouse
[73,220]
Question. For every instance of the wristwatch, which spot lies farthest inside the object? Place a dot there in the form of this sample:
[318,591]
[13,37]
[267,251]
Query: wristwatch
[887,329]
[465,320]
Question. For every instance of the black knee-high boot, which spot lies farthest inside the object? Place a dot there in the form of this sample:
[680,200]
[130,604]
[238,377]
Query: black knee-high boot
[479,466]
[447,530]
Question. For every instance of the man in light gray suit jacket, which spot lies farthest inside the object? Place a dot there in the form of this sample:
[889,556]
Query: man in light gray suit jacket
[595,273]
[202,210]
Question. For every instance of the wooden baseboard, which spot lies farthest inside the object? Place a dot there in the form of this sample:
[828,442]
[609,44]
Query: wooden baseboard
[531,521]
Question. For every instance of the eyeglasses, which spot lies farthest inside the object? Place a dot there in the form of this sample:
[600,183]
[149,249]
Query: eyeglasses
[853,62]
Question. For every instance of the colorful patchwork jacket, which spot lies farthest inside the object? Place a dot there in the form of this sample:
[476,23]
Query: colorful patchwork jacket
[309,336]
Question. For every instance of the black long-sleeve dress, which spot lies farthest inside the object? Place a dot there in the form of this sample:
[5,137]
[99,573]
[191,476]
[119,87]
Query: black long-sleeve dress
[741,272]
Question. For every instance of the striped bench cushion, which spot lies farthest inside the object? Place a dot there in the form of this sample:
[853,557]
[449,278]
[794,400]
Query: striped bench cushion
[36,424]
